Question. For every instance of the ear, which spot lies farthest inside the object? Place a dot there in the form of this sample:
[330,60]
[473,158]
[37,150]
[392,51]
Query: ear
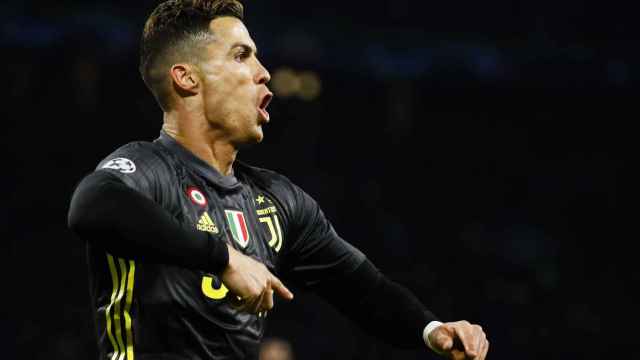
[185,78]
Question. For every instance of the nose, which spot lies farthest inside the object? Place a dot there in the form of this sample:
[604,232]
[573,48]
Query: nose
[262,75]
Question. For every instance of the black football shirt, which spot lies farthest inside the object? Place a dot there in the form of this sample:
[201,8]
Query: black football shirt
[158,311]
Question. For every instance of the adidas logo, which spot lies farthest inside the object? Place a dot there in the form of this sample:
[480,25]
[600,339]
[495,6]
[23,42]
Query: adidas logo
[206,224]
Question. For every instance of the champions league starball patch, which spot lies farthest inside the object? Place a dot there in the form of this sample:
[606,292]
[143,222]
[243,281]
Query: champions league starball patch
[123,165]
[196,196]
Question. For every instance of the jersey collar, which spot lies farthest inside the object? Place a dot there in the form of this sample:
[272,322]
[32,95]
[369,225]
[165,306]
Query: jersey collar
[205,170]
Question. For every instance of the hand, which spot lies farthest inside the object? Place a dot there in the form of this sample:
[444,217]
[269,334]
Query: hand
[459,340]
[251,282]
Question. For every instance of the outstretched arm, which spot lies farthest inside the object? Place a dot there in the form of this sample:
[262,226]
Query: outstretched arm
[321,260]
[392,313]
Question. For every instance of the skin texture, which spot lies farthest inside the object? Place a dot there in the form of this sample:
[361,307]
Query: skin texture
[215,112]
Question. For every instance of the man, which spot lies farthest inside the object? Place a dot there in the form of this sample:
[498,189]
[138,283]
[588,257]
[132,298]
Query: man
[184,242]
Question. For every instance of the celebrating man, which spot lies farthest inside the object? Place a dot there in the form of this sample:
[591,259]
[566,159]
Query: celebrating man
[188,246]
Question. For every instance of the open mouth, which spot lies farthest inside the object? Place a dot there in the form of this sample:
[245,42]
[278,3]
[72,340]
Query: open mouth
[262,107]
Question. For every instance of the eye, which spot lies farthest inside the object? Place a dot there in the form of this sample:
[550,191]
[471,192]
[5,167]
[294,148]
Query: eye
[241,56]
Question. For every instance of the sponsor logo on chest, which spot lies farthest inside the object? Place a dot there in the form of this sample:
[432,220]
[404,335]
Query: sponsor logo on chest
[206,224]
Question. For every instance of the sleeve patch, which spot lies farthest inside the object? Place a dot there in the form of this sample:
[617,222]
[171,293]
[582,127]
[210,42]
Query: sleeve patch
[123,165]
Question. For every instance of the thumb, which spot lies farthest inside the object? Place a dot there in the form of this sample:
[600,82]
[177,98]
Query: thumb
[280,289]
[441,340]
[447,344]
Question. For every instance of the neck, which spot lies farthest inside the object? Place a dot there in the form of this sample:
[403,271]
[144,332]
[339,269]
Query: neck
[199,138]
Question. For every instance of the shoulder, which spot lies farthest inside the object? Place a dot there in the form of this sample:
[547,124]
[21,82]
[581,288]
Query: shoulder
[134,156]
[267,179]
[141,165]
[278,186]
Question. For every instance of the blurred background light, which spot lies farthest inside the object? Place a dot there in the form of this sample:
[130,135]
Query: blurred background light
[310,85]
[287,82]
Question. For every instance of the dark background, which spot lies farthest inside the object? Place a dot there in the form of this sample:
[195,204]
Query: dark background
[479,153]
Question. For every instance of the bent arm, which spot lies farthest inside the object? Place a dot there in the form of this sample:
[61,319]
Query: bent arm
[379,306]
[109,214]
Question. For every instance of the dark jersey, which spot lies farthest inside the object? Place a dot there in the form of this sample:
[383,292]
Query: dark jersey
[157,311]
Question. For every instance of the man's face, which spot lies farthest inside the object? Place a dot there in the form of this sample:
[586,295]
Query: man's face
[234,87]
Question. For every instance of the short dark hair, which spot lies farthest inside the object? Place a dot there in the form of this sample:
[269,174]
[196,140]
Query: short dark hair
[172,30]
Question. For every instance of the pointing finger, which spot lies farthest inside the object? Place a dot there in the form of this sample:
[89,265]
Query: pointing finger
[282,290]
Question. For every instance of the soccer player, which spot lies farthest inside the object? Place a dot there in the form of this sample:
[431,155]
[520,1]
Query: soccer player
[187,246]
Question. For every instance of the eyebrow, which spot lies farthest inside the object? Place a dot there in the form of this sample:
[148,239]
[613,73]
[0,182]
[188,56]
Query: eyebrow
[246,47]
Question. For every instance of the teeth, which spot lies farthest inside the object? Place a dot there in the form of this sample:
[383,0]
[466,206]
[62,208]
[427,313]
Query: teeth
[265,101]
[264,114]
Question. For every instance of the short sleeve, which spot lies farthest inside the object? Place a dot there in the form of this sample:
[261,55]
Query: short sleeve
[317,252]
[139,166]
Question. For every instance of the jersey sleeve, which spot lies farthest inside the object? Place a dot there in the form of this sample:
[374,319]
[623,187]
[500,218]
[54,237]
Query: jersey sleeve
[139,167]
[320,260]
[120,208]
[316,253]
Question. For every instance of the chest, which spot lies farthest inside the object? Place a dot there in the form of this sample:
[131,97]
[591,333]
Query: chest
[247,217]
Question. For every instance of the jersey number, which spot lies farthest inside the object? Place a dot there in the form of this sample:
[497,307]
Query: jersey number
[212,292]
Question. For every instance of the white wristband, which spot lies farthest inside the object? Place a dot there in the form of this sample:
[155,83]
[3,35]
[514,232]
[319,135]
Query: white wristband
[427,330]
